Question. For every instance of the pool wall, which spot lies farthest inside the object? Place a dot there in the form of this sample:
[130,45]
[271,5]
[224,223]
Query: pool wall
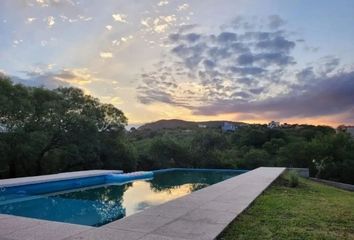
[25,190]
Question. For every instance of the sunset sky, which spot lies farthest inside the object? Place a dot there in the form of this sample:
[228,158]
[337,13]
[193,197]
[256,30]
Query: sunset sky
[241,60]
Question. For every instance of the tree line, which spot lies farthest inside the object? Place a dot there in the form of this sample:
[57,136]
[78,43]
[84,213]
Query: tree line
[47,131]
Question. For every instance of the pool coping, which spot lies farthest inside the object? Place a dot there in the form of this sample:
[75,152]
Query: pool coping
[14,182]
[203,214]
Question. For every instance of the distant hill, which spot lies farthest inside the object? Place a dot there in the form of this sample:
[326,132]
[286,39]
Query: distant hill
[177,123]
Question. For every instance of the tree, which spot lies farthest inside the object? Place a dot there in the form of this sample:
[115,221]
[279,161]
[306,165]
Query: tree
[255,158]
[61,128]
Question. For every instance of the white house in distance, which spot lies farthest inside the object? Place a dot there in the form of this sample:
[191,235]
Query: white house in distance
[2,128]
[273,124]
[202,126]
[228,127]
[347,129]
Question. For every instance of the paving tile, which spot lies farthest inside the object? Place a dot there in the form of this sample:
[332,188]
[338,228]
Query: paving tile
[235,207]
[4,238]
[170,210]
[50,230]
[13,224]
[190,230]
[139,222]
[209,216]
[159,237]
[189,201]
[106,234]
[236,197]
[4,216]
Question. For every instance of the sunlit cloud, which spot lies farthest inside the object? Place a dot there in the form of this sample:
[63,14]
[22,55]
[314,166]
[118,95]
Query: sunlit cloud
[17,42]
[44,43]
[106,55]
[120,18]
[162,3]
[126,39]
[159,24]
[30,20]
[50,21]
[182,7]
[109,27]
[116,101]
[49,3]
[115,42]
[43,3]
[79,76]
[83,18]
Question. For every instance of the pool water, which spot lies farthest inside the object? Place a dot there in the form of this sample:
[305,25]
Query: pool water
[100,205]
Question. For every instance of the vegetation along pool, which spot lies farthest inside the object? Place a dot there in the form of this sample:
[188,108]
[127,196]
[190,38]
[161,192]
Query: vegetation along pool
[100,204]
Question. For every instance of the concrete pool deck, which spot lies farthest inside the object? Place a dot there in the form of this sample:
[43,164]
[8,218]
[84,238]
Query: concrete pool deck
[203,214]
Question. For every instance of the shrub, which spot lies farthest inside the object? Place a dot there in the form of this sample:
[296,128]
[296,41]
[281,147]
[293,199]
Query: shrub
[293,179]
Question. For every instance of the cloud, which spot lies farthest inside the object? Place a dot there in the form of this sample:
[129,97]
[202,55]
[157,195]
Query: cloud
[119,18]
[275,22]
[51,3]
[106,55]
[109,27]
[30,20]
[162,3]
[182,7]
[331,95]
[159,24]
[238,70]
[50,21]
[53,79]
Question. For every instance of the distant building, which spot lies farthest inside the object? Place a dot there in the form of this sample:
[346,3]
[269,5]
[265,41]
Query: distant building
[202,126]
[347,129]
[350,130]
[228,127]
[273,124]
[2,128]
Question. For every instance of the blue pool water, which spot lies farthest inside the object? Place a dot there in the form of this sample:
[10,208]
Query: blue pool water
[106,202]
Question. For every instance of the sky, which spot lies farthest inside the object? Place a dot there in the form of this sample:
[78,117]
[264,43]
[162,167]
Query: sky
[238,60]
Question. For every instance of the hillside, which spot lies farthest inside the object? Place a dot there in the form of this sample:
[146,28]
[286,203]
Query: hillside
[177,123]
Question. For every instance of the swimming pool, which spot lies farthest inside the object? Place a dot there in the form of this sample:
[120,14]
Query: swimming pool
[106,202]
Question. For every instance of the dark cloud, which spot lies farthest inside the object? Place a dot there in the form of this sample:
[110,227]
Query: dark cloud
[209,64]
[334,95]
[154,95]
[245,59]
[227,37]
[247,70]
[277,44]
[275,22]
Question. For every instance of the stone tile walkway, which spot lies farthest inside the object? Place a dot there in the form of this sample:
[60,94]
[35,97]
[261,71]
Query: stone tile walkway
[201,215]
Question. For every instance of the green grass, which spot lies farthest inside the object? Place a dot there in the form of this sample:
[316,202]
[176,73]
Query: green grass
[309,211]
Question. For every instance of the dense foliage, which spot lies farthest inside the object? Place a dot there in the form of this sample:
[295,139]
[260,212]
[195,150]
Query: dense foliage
[47,131]
[327,154]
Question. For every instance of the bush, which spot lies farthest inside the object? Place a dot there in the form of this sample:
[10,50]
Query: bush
[293,179]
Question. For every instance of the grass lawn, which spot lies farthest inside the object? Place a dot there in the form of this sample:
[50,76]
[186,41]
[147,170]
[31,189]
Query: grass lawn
[309,211]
